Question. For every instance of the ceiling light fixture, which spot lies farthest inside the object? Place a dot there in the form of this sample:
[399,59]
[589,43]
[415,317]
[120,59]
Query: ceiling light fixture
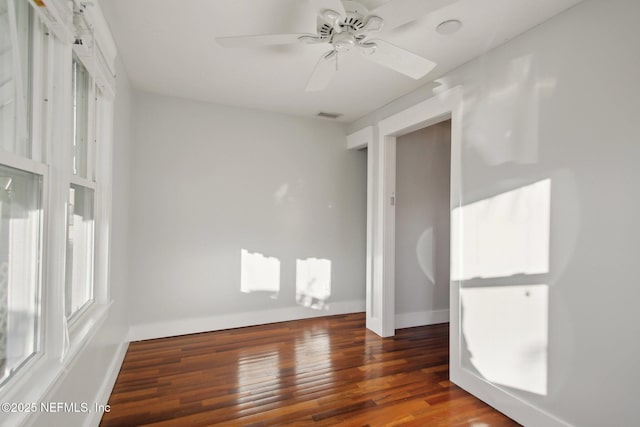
[448,27]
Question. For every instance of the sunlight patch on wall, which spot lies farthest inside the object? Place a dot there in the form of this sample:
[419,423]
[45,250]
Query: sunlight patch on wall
[259,273]
[313,282]
[503,235]
[506,328]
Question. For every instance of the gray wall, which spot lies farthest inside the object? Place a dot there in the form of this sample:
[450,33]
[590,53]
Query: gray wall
[209,181]
[561,103]
[422,219]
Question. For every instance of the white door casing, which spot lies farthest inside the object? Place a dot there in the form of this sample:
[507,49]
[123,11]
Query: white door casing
[381,172]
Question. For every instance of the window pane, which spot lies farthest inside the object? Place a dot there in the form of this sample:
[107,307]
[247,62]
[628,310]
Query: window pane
[80,119]
[14,76]
[79,276]
[20,228]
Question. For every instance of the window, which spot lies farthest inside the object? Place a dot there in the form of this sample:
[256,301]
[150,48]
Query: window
[56,101]
[80,223]
[14,90]
[80,218]
[80,120]
[21,194]
[20,229]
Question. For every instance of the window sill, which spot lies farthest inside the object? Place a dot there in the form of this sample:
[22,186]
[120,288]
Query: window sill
[84,328]
[48,370]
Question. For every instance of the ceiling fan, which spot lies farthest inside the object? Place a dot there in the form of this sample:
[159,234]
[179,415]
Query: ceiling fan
[346,26]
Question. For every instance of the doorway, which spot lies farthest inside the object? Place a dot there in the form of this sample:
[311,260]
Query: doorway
[380,140]
[422,226]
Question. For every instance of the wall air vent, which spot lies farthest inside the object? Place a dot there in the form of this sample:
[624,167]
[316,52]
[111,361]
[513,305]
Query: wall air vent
[329,115]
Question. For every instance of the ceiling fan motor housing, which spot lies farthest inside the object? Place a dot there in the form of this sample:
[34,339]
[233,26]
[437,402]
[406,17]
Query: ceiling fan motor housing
[351,23]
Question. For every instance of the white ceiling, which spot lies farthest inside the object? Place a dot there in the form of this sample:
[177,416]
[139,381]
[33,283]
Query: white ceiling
[168,47]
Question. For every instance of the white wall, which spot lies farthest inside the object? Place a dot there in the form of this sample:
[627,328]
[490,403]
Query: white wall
[92,373]
[209,181]
[422,225]
[559,103]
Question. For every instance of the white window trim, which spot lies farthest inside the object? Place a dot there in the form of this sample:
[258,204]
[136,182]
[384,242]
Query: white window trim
[78,327]
[21,106]
[84,313]
[92,119]
[82,182]
[19,385]
[39,94]
[28,165]
[57,16]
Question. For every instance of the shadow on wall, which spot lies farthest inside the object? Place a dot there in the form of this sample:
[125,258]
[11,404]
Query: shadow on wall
[260,273]
[499,256]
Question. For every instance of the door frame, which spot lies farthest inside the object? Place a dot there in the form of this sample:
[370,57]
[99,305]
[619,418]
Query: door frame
[446,105]
[380,141]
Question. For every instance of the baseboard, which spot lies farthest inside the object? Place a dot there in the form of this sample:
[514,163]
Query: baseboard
[104,392]
[514,407]
[237,320]
[421,318]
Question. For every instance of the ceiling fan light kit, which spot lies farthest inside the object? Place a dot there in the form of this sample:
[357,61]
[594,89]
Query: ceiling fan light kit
[347,26]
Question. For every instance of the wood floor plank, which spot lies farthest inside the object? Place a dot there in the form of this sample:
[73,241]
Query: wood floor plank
[315,372]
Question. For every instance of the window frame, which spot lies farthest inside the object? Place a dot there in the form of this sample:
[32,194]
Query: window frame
[26,165]
[80,326]
[89,131]
[75,319]
[32,162]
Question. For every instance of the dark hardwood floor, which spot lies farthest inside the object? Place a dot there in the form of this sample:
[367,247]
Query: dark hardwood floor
[325,372]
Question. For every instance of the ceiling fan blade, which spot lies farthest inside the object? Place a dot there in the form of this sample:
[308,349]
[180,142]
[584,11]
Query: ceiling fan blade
[399,12]
[322,5]
[260,40]
[323,73]
[399,60]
